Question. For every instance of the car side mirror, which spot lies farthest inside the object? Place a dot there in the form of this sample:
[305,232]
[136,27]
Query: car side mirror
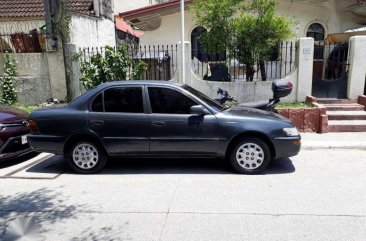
[198,110]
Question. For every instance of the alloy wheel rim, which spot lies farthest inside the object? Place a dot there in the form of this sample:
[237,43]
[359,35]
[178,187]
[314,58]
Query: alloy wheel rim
[250,156]
[85,156]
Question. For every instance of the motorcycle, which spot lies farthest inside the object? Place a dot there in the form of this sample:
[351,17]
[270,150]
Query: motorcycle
[280,88]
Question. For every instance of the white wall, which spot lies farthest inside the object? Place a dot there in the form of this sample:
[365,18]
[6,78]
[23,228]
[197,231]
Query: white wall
[125,5]
[88,31]
[303,14]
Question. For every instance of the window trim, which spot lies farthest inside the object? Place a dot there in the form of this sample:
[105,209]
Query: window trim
[118,86]
[316,22]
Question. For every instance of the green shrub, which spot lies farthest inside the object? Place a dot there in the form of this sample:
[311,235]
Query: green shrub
[114,65]
[9,95]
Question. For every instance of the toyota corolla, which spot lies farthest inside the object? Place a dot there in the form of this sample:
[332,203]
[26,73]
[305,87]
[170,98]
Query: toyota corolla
[160,119]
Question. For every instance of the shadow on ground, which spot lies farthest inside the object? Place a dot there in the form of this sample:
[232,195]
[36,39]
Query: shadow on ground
[33,216]
[42,207]
[18,160]
[160,166]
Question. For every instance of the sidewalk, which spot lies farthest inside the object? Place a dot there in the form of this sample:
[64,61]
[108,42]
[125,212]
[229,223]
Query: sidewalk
[339,140]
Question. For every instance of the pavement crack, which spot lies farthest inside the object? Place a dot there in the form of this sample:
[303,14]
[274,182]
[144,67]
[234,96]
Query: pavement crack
[170,204]
[198,213]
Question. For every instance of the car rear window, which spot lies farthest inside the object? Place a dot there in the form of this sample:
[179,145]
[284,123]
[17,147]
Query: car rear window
[120,100]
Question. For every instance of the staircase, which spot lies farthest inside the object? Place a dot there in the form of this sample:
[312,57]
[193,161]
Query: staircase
[344,115]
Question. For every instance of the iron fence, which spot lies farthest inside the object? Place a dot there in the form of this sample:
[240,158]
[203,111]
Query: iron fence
[226,67]
[161,60]
[330,59]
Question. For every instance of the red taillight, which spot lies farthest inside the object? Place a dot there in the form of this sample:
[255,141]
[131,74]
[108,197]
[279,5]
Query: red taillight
[32,126]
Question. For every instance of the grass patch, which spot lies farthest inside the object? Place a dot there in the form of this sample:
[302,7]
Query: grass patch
[294,105]
[26,108]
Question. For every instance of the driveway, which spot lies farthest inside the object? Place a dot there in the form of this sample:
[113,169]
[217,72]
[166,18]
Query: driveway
[318,195]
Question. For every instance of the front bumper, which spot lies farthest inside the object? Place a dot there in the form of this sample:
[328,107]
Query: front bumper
[14,148]
[287,146]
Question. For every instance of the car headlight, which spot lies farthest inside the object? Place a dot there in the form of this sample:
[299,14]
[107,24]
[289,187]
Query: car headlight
[291,131]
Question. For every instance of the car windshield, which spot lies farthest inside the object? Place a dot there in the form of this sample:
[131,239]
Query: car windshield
[212,103]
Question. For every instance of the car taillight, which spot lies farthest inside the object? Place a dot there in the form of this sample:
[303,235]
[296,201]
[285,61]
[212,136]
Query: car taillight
[32,126]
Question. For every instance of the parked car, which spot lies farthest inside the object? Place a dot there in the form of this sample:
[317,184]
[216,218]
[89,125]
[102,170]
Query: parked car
[13,133]
[160,119]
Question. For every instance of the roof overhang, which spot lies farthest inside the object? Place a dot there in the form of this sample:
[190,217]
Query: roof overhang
[149,18]
[358,8]
[124,27]
[342,37]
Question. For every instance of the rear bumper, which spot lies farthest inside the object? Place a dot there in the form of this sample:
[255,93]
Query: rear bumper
[287,146]
[50,144]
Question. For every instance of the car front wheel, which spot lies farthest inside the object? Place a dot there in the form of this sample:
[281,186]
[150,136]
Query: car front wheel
[250,156]
[86,158]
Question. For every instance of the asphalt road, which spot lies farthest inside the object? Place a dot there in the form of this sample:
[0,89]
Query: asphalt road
[318,195]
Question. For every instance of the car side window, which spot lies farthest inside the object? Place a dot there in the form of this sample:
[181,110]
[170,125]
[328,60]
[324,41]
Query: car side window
[97,105]
[168,101]
[124,100]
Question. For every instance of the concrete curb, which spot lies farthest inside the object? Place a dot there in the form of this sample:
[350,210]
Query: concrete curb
[333,147]
[334,141]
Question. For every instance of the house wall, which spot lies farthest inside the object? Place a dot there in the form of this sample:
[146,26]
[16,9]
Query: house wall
[303,14]
[123,5]
[86,31]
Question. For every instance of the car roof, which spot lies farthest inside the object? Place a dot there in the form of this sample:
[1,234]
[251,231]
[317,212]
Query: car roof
[79,103]
[141,82]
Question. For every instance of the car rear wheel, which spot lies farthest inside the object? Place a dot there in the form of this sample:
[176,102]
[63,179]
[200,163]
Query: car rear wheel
[250,156]
[86,158]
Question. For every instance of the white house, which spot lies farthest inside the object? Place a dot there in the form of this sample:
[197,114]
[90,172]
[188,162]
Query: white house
[160,23]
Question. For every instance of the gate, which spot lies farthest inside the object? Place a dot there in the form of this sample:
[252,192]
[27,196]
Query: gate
[330,70]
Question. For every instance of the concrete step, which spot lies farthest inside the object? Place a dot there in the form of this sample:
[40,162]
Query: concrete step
[346,125]
[335,101]
[346,115]
[344,107]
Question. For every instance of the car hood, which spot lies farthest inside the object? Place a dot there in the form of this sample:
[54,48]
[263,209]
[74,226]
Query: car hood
[254,113]
[11,114]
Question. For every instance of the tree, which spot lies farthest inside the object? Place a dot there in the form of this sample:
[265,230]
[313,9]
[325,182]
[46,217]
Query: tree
[114,65]
[247,30]
[9,93]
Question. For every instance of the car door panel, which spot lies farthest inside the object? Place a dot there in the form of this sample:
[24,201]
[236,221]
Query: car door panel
[184,133]
[122,122]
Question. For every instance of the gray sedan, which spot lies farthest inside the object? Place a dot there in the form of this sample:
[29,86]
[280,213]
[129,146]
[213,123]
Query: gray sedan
[160,119]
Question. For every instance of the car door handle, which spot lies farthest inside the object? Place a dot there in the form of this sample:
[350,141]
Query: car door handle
[96,122]
[158,123]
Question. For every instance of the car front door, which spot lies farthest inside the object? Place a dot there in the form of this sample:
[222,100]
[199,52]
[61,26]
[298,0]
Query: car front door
[174,130]
[118,117]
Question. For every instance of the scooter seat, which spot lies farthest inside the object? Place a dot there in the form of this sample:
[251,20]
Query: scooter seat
[256,104]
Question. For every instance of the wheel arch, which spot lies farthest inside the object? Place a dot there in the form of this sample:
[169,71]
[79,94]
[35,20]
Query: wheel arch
[83,137]
[254,134]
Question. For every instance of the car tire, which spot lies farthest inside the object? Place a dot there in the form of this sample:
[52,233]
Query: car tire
[86,157]
[250,156]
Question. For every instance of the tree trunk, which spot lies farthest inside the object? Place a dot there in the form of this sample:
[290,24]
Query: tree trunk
[263,70]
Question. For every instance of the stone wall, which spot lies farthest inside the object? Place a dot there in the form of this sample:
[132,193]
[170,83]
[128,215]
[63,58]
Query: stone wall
[33,80]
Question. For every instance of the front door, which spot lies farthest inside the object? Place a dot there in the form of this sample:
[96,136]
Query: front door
[118,116]
[176,131]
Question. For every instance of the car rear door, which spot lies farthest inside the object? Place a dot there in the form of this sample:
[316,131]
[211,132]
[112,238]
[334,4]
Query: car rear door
[173,129]
[118,116]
